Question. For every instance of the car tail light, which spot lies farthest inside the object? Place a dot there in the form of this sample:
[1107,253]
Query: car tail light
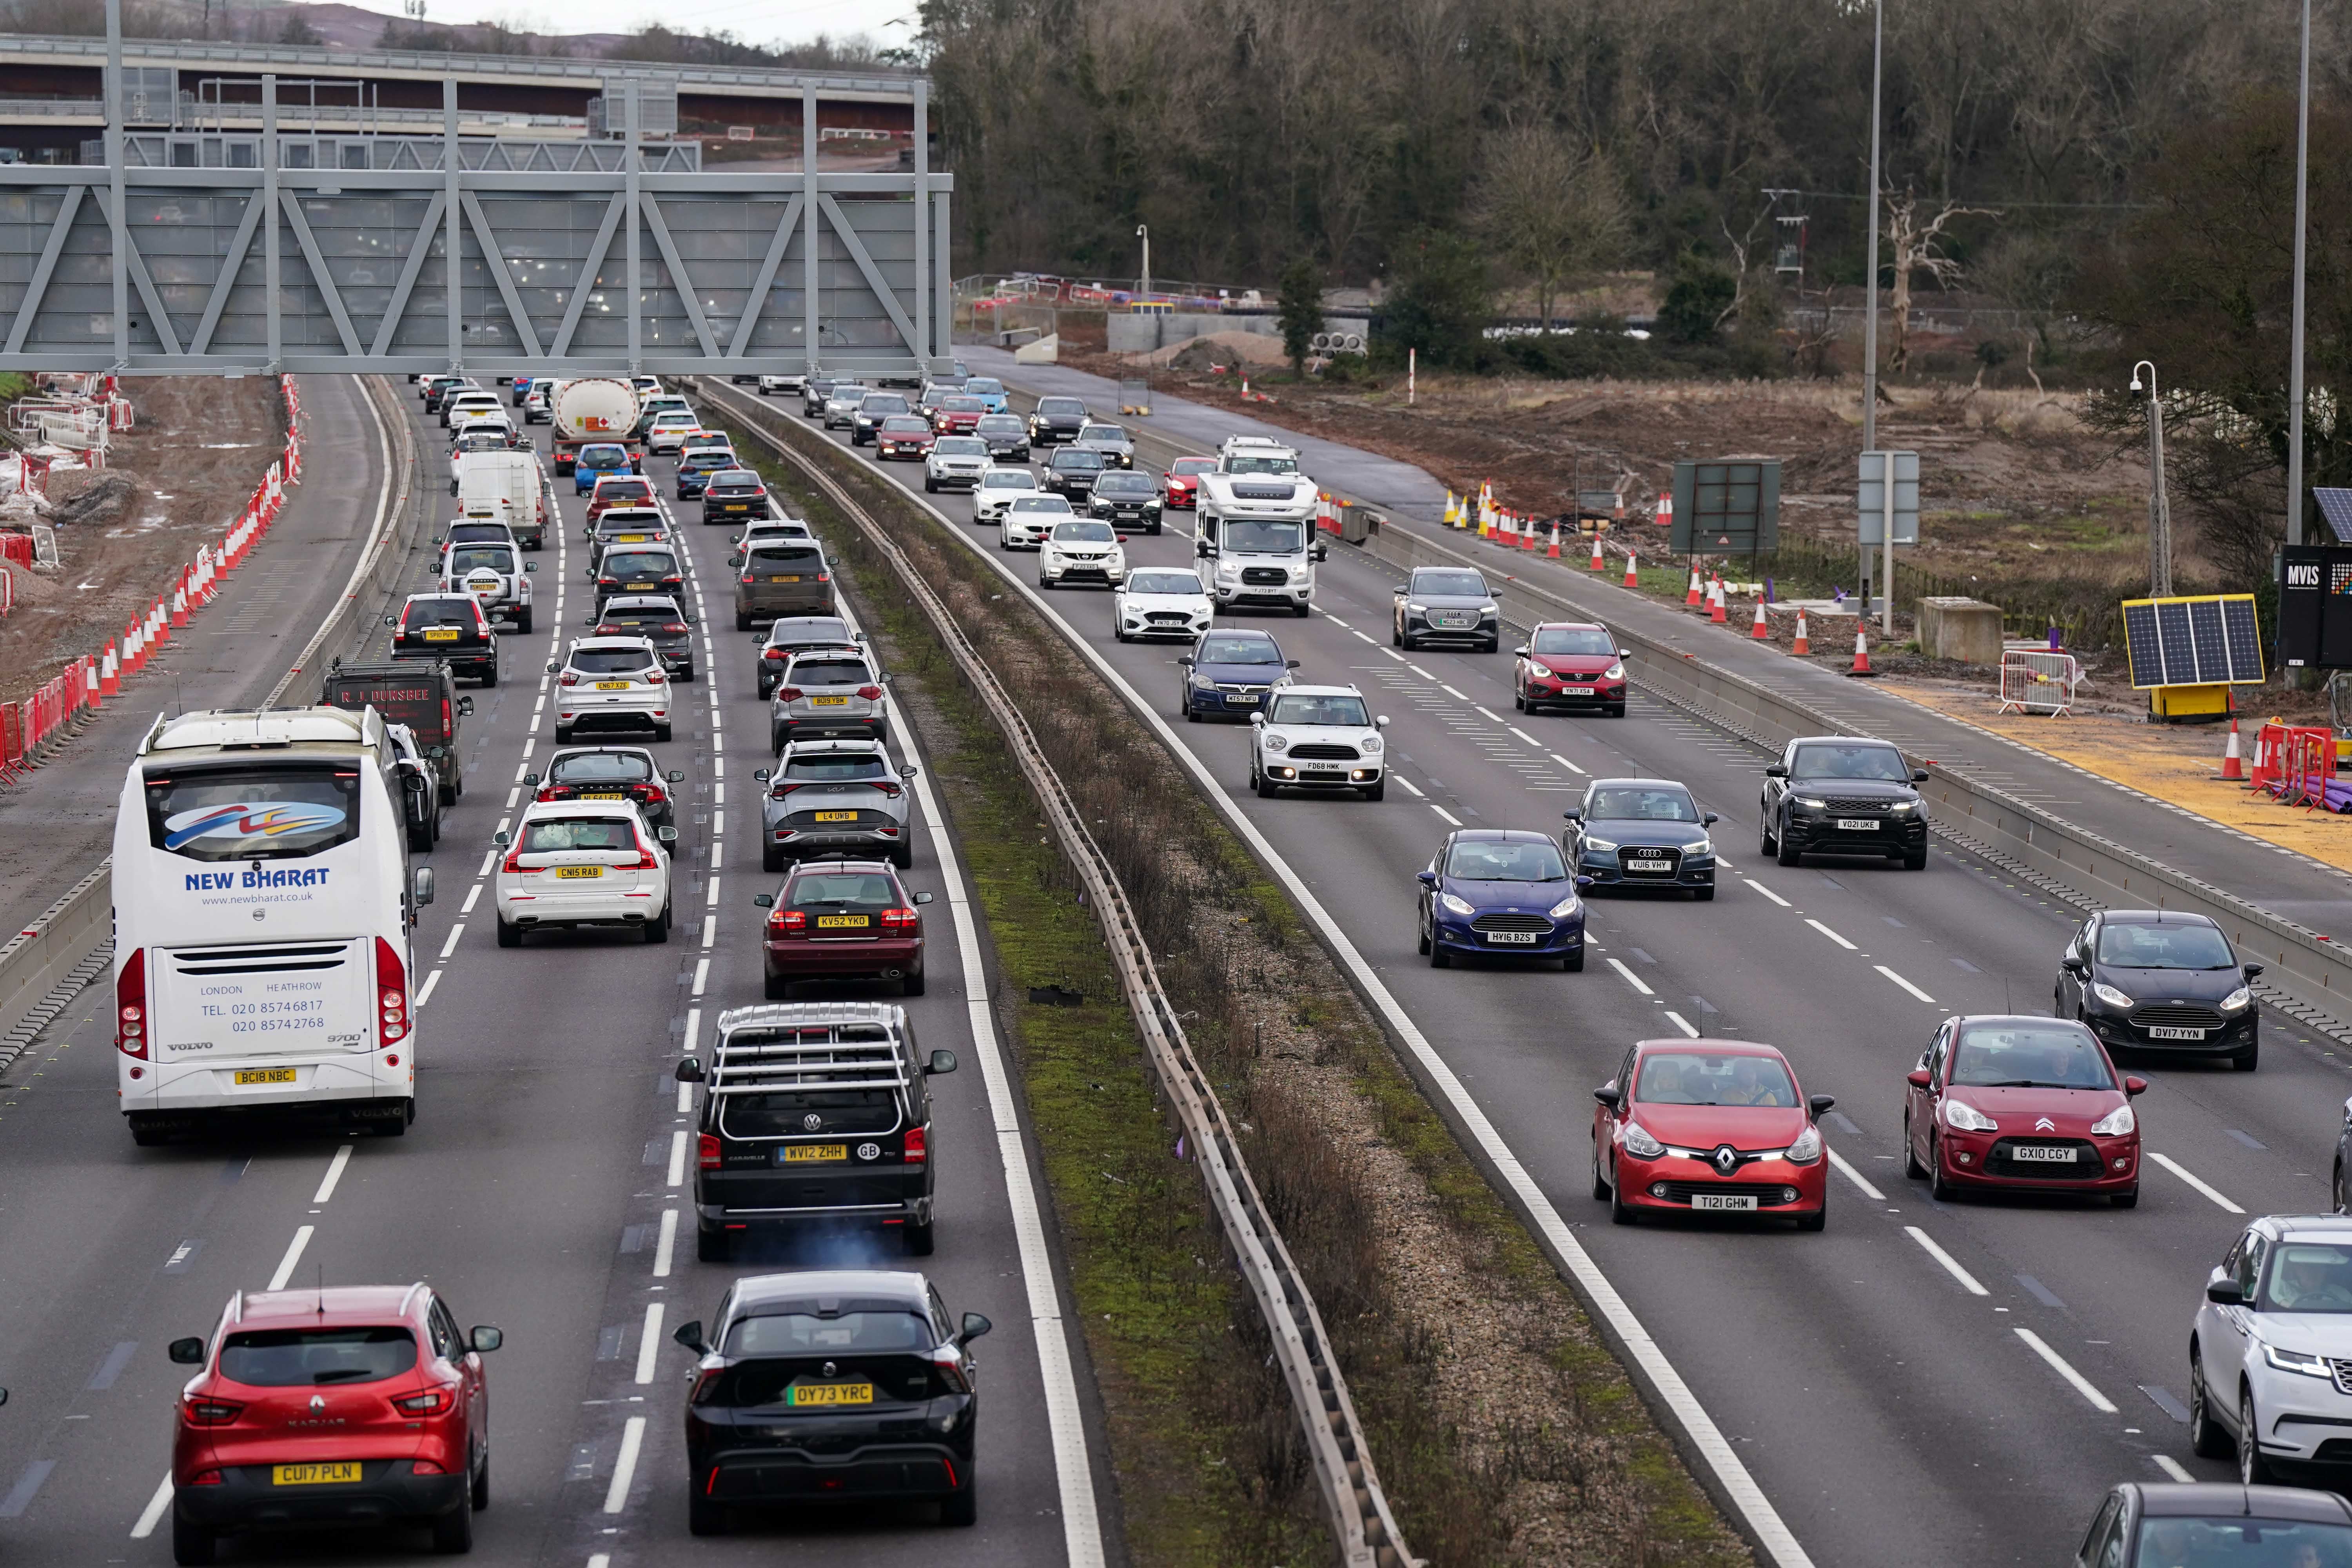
[791,922]
[673,625]
[871,693]
[823,577]
[131,1005]
[891,792]
[788,694]
[706,1151]
[655,678]
[653,796]
[783,788]
[672,580]
[772,656]
[206,1479]
[514,862]
[645,860]
[901,920]
[427,1402]
[918,1145]
[704,1382]
[445,728]
[392,986]
[571,677]
[423,1467]
[203,1412]
[747,578]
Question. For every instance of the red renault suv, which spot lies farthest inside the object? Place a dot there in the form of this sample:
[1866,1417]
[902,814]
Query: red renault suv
[362,1404]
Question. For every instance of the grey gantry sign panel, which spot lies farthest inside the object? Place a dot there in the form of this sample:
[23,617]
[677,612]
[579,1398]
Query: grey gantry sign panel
[563,263]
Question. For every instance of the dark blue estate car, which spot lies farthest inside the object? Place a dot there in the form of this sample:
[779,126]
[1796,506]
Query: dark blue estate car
[1641,833]
[1233,673]
[1502,893]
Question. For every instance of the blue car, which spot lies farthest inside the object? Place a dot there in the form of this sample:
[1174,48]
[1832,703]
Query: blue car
[1231,675]
[1501,892]
[596,461]
[989,390]
[1641,833]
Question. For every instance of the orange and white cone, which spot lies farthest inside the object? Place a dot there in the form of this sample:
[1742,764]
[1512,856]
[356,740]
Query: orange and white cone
[1714,604]
[1804,645]
[109,677]
[1760,631]
[1632,580]
[1861,654]
[1554,552]
[2233,764]
[1598,563]
[1693,599]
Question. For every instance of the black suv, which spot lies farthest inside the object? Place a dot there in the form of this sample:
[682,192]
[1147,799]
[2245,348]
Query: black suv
[1071,473]
[831,1384]
[1057,420]
[449,626]
[657,618]
[1839,795]
[814,1111]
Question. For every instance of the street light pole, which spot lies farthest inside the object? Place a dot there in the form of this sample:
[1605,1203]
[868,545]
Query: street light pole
[2159,507]
[2294,351]
[1870,316]
[1143,232]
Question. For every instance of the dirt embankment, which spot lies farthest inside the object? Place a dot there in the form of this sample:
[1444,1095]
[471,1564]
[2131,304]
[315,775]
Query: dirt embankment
[173,483]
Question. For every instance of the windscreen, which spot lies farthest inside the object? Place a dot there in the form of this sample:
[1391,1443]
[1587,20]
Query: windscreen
[1039,503]
[254,811]
[2162,947]
[1237,650]
[467,558]
[1190,466]
[828,672]
[1062,408]
[960,446]
[1294,708]
[1262,536]
[807,1334]
[836,767]
[479,533]
[1640,805]
[882,403]
[601,457]
[1077,459]
[610,660]
[806,630]
[619,623]
[999,424]
[1589,642]
[1125,485]
[640,563]
[1163,583]
[620,524]
[982,386]
[611,490]
[734,480]
[2308,1277]
[600,767]
[1822,760]
[555,834]
[783,558]
[1491,860]
[905,424]
[316,1357]
[2232,1543]
[1111,433]
[1691,1077]
[1450,584]
[960,406]
[423,613]
[1245,463]
[1084,534]
[2055,1055]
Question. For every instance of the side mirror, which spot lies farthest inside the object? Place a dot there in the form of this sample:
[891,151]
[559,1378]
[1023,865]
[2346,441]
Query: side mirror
[1426,878]
[676,775]
[1184,660]
[688,1070]
[1582,883]
[759,775]
[1290,664]
[666,834]
[1817,1103]
[1521,651]
[1321,552]
[907,770]
[1609,1095]
[2225,1292]
[1918,775]
[2252,970]
[187,1352]
[2074,964]
[974,1325]
[530,565]
[2134,1085]
[391,620]
[942,1062]
[554,665]
[1707,819]
[1379,721]
[437,541]
[464,708]
[1625,653]
[501,839]
[1776,770]
[1573,814]
[764,901]
[690,1336]
[484,1339]
[922,898]
[1258,719]
[437,752]
[420,884]
[530,778]
[1920,1078]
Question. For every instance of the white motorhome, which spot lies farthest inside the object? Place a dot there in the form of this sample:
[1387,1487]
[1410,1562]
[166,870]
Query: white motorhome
[263,902]
[1259,529]
[504,487]
[1256,454]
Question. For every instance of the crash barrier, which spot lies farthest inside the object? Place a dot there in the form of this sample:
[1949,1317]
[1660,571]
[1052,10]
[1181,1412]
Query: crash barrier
[39,720]
[57,952]
[2303,769]
[1361,1517]
[2270,740]
[2037,681]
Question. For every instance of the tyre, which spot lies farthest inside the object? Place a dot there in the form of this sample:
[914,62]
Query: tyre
[1915,862]
[912,984]
[1911,1166]
[1192,713]
[563,734]
[1765,843]
[2205,1433]
[510,935]
[704,1517]
[1518,699]
[2125,1200]
[902,855]
[1438,957]
[1600,1182]
[1615,710]
[772,857]
[929,488]
[1118,634]
[191,1541]
[742,622]
[2253,1470]
[1377,792]
[1573,963]
[1152,528]
[1784,853]
[1492,645]
[1043,581]
[1819,1218]
[482,1483]
[1260,784]
[661,732]
[525,623]
[1619,1214]
[1421,939]
[1305,610]
[1940,1186]
[2247,1059]
[776,988]
[1396,638]
[453,1533]
[962,1509]
[490,676]
[712,1245]
[420,835]
[918,1240]
[658,929]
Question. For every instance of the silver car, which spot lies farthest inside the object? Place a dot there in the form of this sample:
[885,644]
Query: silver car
[841,403]
[1116,446]
[955,463]
[489,572]
[766,528]
[834,797]
[828,692]
[611,683]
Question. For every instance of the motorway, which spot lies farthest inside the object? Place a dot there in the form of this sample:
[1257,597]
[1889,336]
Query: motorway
[1964,1380]
[543,1188]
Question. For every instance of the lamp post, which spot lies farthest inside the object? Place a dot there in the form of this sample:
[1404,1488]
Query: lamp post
[1870,316]
[2294,351]
[1143,233]
[2159,508]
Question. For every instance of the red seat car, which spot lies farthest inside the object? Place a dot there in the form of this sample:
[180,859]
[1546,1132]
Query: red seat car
[1179,488]
[957,415]
[1569,664]
[2022,1104]
[363,1405]
[619,490]
[1709,1127]
[843,919]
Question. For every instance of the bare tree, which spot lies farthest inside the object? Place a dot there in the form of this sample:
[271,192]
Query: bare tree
[1912,247]
[1549,212]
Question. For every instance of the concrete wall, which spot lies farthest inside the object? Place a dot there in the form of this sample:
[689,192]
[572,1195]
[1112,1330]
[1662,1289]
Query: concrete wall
[1131,334]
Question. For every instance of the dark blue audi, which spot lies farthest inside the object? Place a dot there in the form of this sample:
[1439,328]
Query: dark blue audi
[1641,833]
[1503,893]
[1233,674]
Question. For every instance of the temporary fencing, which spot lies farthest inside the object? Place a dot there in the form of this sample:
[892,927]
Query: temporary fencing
[29,726]
[2034,680]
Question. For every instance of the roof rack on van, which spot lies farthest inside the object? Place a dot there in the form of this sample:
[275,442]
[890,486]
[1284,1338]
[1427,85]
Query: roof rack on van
[825,1061]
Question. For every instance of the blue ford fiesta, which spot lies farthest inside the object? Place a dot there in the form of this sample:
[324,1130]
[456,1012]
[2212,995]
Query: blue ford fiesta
[1504,893]
[1233,673]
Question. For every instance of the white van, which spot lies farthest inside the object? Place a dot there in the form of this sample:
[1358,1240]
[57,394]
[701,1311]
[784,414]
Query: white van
[262,908]
[1259,529]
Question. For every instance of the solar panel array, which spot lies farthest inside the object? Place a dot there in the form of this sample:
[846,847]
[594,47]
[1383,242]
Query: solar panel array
[2336,505]
[2209,640]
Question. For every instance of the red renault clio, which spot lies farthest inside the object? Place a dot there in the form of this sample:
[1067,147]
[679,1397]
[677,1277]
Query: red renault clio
[1709,1127]
[2025,1104]
[358,1404]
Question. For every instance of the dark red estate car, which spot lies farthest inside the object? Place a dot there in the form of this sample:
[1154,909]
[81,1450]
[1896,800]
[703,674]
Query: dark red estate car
[1569,664]
[843,919]
[1709,1127]
[2021,1103]
[1179,488]
[360,1405]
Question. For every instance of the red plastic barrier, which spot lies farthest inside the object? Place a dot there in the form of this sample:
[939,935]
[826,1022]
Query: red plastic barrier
[17,547]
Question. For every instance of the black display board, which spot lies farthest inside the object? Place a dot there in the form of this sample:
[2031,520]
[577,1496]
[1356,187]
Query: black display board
[2316,607]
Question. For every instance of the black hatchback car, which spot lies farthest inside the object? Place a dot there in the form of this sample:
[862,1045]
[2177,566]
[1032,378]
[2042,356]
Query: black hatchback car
[2203,1521]
[734,494]
[1840,794]
[813,1112]
[2160,980]
[657,618]
[1071,473]
[449,626]
[839,1386]
[1641,833]
[1006,435]
[637,569]
[1446,604]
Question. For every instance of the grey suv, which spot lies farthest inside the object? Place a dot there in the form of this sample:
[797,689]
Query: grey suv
[782,577]
[838,796]
[828,692]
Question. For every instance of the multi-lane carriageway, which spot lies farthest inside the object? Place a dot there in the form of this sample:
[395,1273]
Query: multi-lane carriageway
[1923,1383]
[544,1187]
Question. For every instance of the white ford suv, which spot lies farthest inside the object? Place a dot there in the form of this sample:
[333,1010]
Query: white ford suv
[1161,601]
[1081,551]
[1318,737]
[1026,520]
[2270,1359]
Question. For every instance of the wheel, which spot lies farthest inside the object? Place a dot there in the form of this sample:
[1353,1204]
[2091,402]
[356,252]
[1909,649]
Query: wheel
[1192,713]
[1785,853]
[1518,699]
[1619,1211]
[1396,636]
[1917,860]
[482,1483]
[712,1245]
[510,935]
[1118,634]
[961,1507]
[776,988]
[929,488]
[704,1517]
[772,857]
[1152,528]
[2246,1060]
[191,1541]
[1421,939]
[490,676]
[2253,1470]
[1940,1186]
[1615,710]
[1600,1182]
[1043,581]
[1765,843]
[1573,963]
[1438,957]
[902,855]
[2125,1200]
[1704,895]
[563,734]
[2205,1435]
[526,623]
[1819,1218]
[911,985]
[918,1240]
[742,622]
[661,732]
[420,835]
[1409,645]
[1492,645]
[1911,1166]
[1260,784]
[1303,611]
[1377,792]
[658,929]
[453,1533]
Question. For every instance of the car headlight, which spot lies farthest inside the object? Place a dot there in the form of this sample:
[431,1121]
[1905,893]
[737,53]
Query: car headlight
[1454,905]
[1593,843]
[1638,1141]
[1812,802]
[2236,1000]
[2296,1361]
[1806,1150]
[1487,609]
[1229,569]
[1704,846]
[1412,609]
[2115,1123]
[1614,672]
[1277,744]
[1565,908]
[1301,573]
[1371,745]
[1901,807]
[1966,1118]
[2109,994]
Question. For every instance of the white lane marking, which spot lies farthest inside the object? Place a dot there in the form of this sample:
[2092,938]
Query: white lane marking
[1684,1025]
[1418,671]
[521,769]
[649,1345]
[1362,638]
[718,767]
[1563,762]
[719,794]
[1336,620]
[709,936]
[717,824]
[1490,716]
[2173,1165]
[712,902]
[1410,785]
[293,1256]
[625,1468]
[1767,892]
[334,1174]
[456,932]
[2172,1466]
[1523,735]
[424,992]
[1831,934]
[1390,651]
[473,896]
[1631,978]
[153,1514]
[489,864]
[513,795]
[714,853]
[685,1098]
[1904,983]
[1951,1264]
[693,1029]
[601,1560]
[1857,1177]
[1457,696]
[1443,812]
[677,1158]
[667,1244]
[2099,1401]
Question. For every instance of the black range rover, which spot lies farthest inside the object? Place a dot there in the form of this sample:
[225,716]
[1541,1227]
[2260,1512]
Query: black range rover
[1841,795]
[813,1112]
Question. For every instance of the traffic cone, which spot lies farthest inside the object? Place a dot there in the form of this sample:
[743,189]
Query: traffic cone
[1714,604]
[1761,632]
[1861,654]
[92,691]
[109,677]
[2234,765]
[1804,645]
[1554,552]
[1631,579]
[1598,563]
[1693,599]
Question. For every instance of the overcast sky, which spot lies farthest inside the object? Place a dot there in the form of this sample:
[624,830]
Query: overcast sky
[759,21]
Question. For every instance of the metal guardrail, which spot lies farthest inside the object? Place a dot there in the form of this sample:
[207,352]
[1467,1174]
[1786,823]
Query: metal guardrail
[1361,1520]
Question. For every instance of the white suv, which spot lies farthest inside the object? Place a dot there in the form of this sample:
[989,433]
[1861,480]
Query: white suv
[669,429]
[1318,737]
[611,683]
[998,487]
[1027,519]
[2269,1358]
[956,462]
[1081,551]
[488,571]
[583,862]
[771,383]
